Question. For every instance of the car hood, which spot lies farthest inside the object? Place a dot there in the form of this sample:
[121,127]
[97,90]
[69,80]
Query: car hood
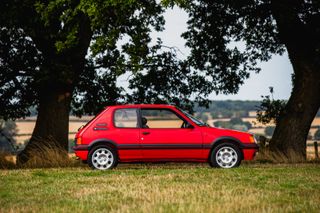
[232,131]
[221,132]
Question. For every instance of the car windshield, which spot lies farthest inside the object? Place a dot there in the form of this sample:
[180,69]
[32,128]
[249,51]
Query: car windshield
[196,121]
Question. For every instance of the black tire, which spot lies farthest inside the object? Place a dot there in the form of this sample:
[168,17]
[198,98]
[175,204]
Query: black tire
[107,153]
[232,152]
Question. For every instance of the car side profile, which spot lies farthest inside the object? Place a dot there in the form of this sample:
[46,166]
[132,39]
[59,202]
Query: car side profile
[158,133]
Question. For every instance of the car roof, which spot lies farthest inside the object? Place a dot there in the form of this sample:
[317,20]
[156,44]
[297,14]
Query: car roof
[142,106]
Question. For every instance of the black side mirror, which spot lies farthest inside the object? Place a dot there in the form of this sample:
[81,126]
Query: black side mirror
[189,126]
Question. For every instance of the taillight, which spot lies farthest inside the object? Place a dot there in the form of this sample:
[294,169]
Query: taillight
[79,141]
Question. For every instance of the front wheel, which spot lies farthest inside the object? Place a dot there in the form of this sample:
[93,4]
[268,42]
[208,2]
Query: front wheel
[226,155]
[102,158]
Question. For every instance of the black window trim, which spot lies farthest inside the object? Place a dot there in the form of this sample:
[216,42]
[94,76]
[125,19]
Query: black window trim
[159,108]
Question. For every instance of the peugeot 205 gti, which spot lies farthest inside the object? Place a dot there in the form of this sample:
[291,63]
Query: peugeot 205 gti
[158,133]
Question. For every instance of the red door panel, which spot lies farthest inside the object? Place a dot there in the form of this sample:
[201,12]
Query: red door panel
[128,144]
[127,133]
[171,143]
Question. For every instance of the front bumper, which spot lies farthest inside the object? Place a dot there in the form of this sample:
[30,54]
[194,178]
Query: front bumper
[249,150]
[250,146]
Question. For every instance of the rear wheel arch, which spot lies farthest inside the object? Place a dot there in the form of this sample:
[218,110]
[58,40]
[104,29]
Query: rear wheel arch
[103,142]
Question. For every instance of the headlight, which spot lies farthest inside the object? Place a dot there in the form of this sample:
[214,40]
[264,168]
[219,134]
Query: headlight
[252,139]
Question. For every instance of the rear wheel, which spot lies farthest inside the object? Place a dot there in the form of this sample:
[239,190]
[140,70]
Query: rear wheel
[226,155]
[102,158]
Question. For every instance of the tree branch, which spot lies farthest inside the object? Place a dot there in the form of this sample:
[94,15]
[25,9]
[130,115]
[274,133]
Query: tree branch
[291,29]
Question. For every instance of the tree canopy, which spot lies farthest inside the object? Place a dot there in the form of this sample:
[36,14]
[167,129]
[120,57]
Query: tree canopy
[65,54]
[74,44]
[228,39]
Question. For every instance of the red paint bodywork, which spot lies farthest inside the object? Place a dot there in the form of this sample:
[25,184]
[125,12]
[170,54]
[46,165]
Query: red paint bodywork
[165,144]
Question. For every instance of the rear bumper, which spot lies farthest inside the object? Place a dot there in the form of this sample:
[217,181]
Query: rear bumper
[80,147]
[81,151]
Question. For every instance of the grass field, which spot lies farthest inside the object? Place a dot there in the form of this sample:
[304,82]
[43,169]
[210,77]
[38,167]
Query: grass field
[163,188]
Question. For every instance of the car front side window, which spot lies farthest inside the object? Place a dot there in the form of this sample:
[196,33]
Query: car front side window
[160,118]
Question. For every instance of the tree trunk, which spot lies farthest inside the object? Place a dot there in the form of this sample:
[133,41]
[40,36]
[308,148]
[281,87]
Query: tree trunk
[60,71]
[52,125]
[292,129]
[301,40]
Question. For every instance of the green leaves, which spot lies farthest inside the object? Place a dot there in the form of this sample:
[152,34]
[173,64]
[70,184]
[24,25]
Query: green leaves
[270,109]
[84,46]
[79,47]
[228,38]
[19,59]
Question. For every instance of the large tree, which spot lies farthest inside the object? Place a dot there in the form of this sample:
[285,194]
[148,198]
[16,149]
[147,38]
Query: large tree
[60,54]
[64,55]
[261,28]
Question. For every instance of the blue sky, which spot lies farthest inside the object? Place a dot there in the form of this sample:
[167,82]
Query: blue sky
[276,72]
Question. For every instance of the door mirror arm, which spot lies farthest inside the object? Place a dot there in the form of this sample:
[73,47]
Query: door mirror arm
[189,126]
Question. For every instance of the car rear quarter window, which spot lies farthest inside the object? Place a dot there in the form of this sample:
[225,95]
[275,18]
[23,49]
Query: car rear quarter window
[126,118]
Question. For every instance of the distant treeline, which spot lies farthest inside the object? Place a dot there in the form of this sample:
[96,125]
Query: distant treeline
[219,109]
[228,108]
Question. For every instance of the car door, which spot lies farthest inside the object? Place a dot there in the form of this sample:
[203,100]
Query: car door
[162,136]
[126,133]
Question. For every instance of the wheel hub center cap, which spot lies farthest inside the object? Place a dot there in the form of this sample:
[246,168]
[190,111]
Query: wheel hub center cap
[103,159]
[227,157]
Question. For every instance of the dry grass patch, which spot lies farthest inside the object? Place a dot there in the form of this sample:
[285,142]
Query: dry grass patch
[265,155]
[6,161]
[46,153]
[48,157]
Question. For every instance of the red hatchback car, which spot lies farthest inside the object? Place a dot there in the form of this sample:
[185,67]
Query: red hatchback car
[158,133]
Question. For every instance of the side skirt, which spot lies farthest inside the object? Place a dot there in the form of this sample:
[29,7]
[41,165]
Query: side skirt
[162,160]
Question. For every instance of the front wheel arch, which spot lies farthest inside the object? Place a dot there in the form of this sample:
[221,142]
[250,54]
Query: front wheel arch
[213,162]
[226,140]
